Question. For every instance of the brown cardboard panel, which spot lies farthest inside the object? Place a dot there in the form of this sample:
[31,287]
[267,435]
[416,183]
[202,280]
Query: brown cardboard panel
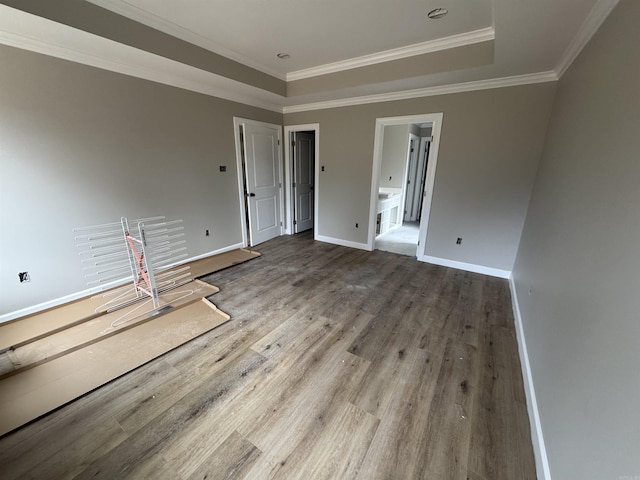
[26,329]
[36,391]
[6,362]
[83,334]
[34,326]
[215,263]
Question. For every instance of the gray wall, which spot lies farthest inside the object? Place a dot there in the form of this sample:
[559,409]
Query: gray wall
[579,255]
[490,147]
[82,146]
[394,155]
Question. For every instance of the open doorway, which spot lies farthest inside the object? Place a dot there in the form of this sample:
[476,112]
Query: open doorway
[301,178]
[405,156]
[403,171]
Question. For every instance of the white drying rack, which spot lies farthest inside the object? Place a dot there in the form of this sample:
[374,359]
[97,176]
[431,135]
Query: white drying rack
[111,252]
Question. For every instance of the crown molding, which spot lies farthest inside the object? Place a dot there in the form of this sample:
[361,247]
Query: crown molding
[453,41]
[541,77]
[150,20]
[30,32]
[597,16]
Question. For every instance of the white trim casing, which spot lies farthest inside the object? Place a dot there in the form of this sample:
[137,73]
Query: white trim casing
[288,180]
[469,267]
[430,181]
[341,242]
[288,205]
[537,438]
[453,41]
[92,291]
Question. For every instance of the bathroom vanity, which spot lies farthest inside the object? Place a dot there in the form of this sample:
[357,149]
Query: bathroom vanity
[389,210]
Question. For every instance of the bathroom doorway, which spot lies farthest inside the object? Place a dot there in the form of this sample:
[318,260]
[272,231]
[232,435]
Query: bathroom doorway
[405,156]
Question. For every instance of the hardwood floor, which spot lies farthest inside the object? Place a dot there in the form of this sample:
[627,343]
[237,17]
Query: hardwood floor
[337,364]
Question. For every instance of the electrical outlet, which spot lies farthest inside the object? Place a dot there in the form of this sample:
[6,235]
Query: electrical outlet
[356,225]
[206,233]
[223,168]
[24,277]
[323,168]
[459,241]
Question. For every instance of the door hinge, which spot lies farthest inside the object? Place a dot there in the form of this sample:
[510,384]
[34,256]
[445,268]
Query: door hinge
[293,143]
[295,222]
[278,142]
[293,184]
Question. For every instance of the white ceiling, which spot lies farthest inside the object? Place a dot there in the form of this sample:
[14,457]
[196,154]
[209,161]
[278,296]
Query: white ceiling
[531,36]
[313,32]
[535,40]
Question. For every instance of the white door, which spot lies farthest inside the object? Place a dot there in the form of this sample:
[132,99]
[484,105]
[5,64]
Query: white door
[303,172]
[263,187]
[412,167]
[422,177]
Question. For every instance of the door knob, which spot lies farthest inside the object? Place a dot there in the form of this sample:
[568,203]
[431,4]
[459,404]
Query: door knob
[252,194]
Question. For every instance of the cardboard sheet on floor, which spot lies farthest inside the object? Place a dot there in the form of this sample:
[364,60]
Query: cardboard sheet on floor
[215,263]
[53,346]
[20,331]
[30,394]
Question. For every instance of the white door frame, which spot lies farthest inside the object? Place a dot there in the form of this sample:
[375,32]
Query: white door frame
[436,120]
[237,122]
[288,174]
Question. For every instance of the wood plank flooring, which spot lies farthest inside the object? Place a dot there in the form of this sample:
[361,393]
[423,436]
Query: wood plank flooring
[337,364]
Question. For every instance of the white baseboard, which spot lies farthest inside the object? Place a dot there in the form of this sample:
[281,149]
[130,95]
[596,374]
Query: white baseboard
[340,241]
[537,439]
[469,267]
[58,301]
[92,291]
